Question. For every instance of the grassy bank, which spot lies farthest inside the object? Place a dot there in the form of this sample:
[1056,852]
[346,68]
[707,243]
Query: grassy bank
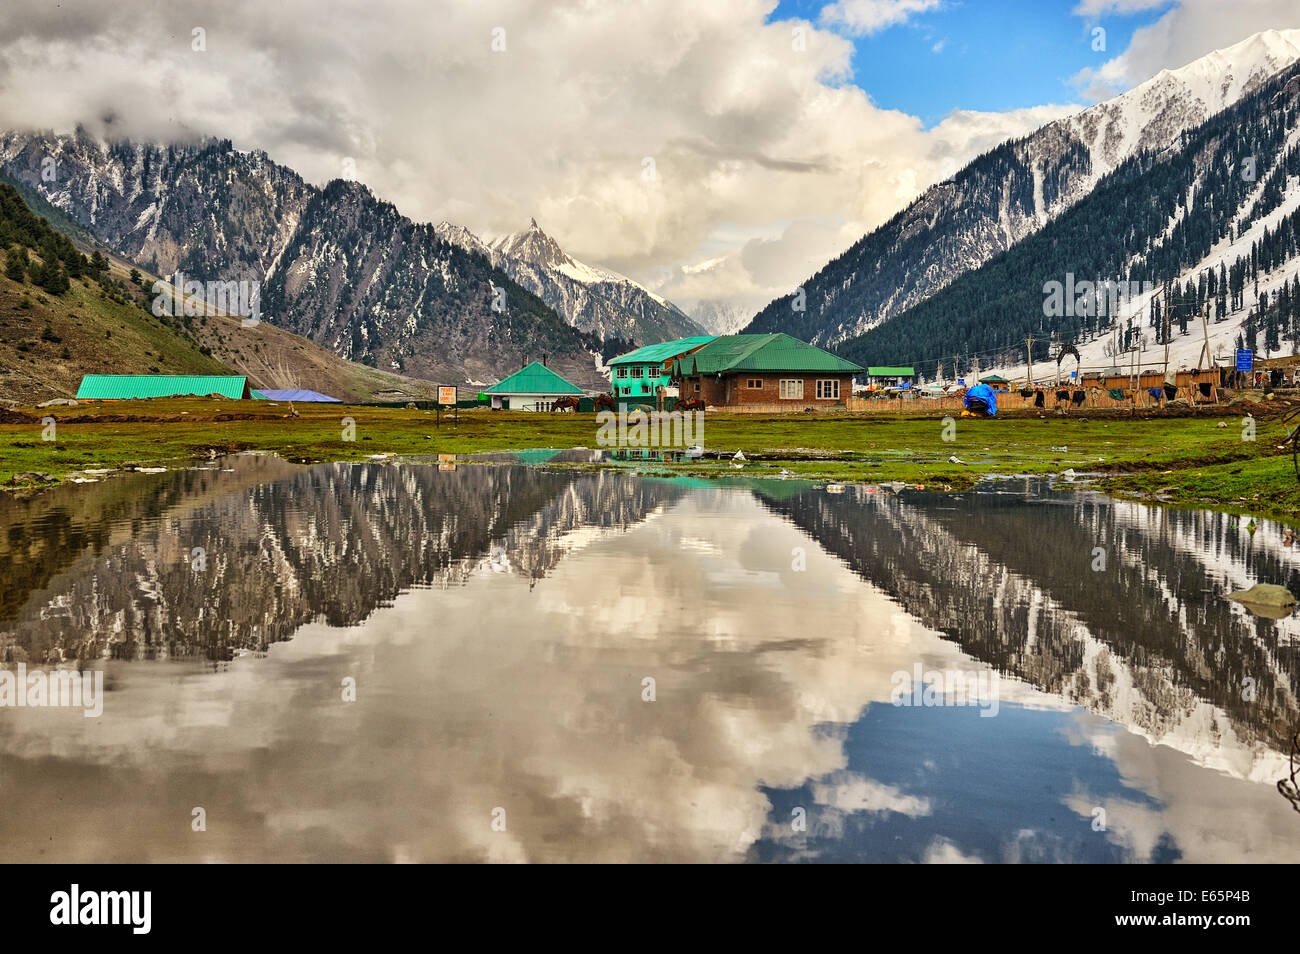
[1186,460]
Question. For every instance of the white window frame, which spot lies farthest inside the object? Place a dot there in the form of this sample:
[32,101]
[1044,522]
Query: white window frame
[825,385]
[791,389]
[621,372]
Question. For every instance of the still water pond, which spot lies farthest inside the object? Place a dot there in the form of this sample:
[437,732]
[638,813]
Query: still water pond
[560,665]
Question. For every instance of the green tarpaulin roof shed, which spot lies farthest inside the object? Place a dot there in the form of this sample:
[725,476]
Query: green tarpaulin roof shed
[887,371]
[124,387]
[537,378]
[774,352]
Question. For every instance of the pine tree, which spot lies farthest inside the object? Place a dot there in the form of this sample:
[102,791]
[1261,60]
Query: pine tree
[15,263]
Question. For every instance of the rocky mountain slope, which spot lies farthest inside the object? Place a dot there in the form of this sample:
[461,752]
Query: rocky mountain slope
[103,322]
[335,264]
[591,299]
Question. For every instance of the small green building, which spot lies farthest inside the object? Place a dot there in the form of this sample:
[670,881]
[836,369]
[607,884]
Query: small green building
[637,374]
[886,376]
[532,388]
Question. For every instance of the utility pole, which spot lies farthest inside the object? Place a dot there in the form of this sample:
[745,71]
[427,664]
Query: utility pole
[1029,348]
[1205,360]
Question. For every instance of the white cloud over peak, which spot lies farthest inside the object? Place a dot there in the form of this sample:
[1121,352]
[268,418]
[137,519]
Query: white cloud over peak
[1186,32]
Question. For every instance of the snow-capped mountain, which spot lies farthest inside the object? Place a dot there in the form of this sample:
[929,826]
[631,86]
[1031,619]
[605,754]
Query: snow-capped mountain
[720,317]
[1194,244]
[590,298]
[335,264]
[1016,189]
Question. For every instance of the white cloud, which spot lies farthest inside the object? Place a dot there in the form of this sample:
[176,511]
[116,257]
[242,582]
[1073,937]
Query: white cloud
[863,17]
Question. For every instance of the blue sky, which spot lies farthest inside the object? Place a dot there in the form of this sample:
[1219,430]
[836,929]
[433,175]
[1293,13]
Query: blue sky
[993,54]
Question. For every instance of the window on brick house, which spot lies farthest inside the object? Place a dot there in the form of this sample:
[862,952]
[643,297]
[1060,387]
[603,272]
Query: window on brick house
[791,389]
[754,383]
[828,388]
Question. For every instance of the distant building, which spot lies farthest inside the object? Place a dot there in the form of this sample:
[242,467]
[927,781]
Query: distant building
[297,394]
[640,373]
[532,388]
[886,376]
[777,369]
[127,387]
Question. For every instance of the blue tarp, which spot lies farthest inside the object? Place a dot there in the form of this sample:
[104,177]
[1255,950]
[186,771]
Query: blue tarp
[982,392]
[296,395]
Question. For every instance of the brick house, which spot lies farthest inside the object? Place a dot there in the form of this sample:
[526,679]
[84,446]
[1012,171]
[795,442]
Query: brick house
[776,369]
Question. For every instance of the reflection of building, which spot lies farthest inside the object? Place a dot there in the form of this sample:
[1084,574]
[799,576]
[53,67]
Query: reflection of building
[774,369]
[534,387]
[639,373]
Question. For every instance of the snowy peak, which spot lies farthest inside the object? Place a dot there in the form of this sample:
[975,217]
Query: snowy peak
[534,247]
[1152,114]
[460,236]
[590,298]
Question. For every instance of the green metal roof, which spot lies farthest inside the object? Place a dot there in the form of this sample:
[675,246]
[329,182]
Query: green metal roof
[534,379]
[886,371]
[659,353]
[773,352]
[123,387]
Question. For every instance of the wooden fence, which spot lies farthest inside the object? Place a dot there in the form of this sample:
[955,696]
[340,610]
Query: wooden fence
[1194,387]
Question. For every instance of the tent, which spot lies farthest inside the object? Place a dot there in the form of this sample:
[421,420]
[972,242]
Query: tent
[307,397]
[981,399]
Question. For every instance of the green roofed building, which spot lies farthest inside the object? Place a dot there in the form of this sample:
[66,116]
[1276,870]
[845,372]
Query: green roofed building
[128,387]
[532,388]
[640,373]
[887,376]
[735,370]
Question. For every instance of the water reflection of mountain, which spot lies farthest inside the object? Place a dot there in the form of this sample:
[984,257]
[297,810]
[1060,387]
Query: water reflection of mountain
[108,570]
[1149,641]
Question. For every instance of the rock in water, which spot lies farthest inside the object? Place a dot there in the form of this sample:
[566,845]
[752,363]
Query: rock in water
[1266,599]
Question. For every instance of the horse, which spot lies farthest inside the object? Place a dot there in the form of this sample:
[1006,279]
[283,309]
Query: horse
[690,404]
[565,404]
[603,402]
